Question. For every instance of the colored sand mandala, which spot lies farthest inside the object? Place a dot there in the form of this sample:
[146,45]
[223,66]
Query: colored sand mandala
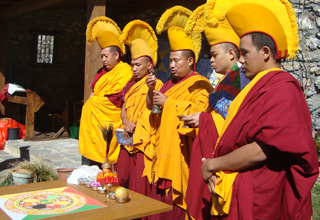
[45,202]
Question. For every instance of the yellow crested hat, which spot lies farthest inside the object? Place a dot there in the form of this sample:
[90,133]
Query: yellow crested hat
[106,32]
[141,39]
[275,18]
[174,20]
[218,32]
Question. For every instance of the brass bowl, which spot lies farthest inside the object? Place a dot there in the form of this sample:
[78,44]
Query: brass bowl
[111,195]
[102,190]
[87,184]
[121,200]
[82,180]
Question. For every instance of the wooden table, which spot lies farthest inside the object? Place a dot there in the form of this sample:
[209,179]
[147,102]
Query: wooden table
[33,103]
[138,206]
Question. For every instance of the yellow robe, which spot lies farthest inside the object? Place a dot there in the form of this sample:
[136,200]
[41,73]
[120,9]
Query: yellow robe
[98,111]
[136,108]
[172,151]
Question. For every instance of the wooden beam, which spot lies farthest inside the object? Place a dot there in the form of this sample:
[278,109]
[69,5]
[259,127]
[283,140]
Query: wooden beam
[26,6]
[93,62]
[3,28]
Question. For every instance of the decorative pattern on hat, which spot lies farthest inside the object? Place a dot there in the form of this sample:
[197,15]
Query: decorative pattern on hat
[138,29]
[178,16]
[102,24]
[267,14]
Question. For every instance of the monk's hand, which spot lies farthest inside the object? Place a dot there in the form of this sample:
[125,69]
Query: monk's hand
[206,169]
[211,184]
[151,81]
[192,119]
[129,126]
[159,98]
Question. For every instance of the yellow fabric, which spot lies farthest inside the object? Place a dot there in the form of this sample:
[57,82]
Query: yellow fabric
[220,32]
[140,48]
[221,204]
[179,40]
[99,111]
[172,152]
[218,121]
[223,189]
[176,18]
[105,31]
[135,105]
[107,39]
[275,18]
[142,40]
[259,15]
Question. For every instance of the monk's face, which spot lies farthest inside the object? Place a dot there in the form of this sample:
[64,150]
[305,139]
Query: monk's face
[180,65]
[109,58]
[251,58]
[222,58]
[140,67]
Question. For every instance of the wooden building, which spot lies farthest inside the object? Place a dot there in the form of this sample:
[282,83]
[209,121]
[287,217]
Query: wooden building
[43,48]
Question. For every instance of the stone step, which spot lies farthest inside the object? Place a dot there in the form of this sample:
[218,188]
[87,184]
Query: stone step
[61,152]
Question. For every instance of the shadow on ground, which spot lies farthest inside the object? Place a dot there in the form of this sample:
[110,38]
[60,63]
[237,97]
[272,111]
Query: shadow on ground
[24,155]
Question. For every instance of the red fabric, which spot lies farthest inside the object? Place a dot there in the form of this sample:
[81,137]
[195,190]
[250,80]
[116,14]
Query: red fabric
[158,190]
[5,124]
[130,169]
[116,99]
[98,75]
[127,88]
[198,197]
[160,194]
[275,115]
[4,93]
[174,82]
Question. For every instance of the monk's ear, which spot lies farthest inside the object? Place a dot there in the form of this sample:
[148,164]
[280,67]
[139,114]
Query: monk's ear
[190,61]
[266,53]
[117,55]
[231,54]
[149,65]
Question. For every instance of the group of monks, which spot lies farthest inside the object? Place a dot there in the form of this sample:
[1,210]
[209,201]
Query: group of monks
[241,150]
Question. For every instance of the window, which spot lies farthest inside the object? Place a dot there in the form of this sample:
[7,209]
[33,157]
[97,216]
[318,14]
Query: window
[45,49]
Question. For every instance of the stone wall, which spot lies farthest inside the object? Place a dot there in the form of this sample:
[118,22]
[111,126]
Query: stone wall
[306,67]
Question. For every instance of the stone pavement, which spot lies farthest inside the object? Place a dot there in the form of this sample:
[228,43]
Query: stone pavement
[62,152]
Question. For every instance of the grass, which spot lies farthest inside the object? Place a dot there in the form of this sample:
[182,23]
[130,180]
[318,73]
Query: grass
[316,201]
[41,171]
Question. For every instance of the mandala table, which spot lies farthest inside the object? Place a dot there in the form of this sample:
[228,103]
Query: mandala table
[71,204]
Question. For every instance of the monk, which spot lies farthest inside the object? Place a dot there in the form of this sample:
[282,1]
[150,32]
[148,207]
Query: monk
[143,46]
[224,44]
[104,105]
[265,161]
[186,93]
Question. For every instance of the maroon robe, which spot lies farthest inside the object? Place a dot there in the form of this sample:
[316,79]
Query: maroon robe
[198,197]
[158,190]
[276,116]
[130,166]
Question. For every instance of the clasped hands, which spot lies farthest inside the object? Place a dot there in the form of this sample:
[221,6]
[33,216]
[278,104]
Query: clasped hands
[209,177]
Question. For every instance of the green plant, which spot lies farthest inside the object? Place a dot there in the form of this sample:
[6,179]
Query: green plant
[315,192]
[41,171]
[317,141]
